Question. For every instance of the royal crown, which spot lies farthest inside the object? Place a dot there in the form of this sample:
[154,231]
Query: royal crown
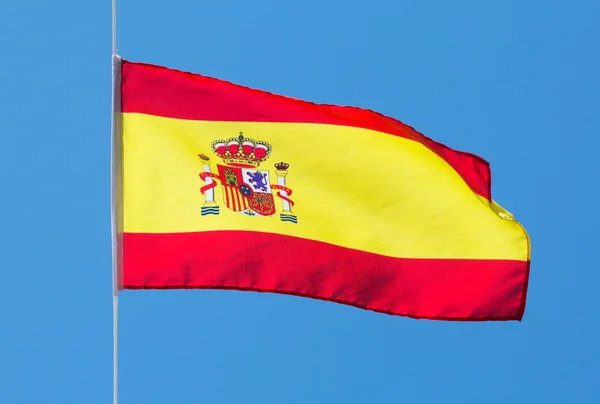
[241,151]
[282,166]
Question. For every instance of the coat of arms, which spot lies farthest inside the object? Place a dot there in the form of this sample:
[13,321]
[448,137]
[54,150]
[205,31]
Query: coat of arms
[246,189]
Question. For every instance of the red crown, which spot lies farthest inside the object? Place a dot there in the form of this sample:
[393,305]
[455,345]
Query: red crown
[241,151]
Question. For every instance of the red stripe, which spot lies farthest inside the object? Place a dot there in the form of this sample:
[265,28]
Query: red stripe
[170,93]
[234,200]
[237,197]
[227,198]
[444,289]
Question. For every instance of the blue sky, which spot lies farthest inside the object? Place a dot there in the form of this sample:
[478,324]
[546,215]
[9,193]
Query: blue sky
[513,81]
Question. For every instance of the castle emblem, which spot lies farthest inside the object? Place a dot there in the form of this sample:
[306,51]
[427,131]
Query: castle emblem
[245,188]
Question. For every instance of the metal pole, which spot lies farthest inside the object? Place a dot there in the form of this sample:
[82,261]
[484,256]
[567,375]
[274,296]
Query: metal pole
[115,346]
[114,27]
[115,191]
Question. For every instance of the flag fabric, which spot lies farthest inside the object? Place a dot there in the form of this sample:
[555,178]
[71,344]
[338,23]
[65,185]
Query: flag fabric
[228,187]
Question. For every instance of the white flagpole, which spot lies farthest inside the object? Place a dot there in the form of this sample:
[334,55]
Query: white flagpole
[115,346]
[116,192]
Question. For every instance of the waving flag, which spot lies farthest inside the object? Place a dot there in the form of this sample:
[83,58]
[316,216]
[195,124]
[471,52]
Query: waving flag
[227,187]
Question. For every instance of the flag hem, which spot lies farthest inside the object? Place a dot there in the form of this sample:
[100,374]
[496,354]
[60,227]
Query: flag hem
[517,317]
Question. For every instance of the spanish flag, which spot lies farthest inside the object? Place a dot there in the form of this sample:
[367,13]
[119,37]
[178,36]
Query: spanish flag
[221,186]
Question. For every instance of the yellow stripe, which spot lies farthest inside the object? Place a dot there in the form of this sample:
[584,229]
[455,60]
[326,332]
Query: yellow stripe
[352,187]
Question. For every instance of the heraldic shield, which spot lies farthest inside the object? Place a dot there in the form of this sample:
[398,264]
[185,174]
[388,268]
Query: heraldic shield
[245,188]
